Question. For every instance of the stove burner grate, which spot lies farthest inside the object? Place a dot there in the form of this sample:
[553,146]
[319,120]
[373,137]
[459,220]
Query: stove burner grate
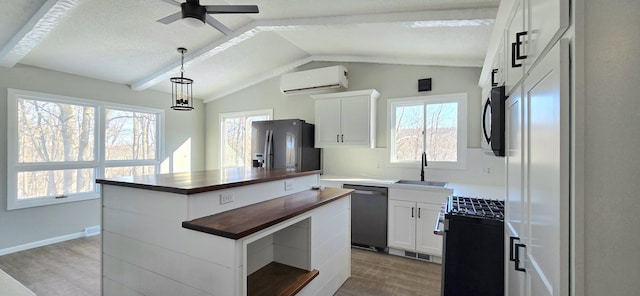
[476,207]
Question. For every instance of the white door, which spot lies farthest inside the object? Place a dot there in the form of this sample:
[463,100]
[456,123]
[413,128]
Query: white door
[402,224]
[327,124]
[356,121]
[426,241]
[547,245]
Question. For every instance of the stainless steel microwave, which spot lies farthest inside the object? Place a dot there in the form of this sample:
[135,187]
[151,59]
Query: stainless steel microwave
[493,121]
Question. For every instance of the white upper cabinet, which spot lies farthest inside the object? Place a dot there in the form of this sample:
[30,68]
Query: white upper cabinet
[498,67]
[546,20]
[515,35]
[525,30]
[346,119]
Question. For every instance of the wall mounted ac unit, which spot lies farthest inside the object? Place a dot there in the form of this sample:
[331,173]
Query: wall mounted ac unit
[315,80]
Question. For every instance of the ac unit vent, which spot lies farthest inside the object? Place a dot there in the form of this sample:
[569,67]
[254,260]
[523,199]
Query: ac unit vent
[327,79]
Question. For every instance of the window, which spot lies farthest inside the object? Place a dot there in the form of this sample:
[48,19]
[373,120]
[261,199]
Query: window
[55,152]
[435,124]
[235,137]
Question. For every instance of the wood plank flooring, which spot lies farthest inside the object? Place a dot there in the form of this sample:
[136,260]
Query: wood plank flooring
[378,274]
[72,268]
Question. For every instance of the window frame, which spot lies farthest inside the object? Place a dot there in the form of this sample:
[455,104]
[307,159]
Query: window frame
[462,129]
[98,164]
[223,115]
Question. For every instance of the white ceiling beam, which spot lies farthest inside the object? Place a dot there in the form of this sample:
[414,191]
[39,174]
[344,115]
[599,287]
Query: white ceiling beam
[401,61]
[344,59]
[262,77]
[35,30]
[412,19]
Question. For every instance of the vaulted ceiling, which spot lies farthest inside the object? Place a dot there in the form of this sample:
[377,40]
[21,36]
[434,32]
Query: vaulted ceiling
[120,40]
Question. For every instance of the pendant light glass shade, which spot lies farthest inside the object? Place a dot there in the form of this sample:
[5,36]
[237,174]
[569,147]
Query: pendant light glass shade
[182,88]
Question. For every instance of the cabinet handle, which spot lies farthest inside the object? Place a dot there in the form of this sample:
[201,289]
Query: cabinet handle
[514,47]
[419,209]
[412,209]
[511,254]
[337,138]
[517,267]
[342,138]
[519,42]
[493,77]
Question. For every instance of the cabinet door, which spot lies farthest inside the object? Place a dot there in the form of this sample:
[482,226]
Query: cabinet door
[515,280]
[547,20]
[356,122]
[497,68]
[547,247]
[515,206]
[514,67]
[515,214]
[327,123]
[426,241]
[402,224]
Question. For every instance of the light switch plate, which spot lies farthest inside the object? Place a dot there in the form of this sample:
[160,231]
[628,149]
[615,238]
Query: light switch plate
[288,185]
[226,198]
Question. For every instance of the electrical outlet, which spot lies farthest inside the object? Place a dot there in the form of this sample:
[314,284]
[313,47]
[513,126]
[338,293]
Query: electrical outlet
[226,198]
[487,171]
[288,185]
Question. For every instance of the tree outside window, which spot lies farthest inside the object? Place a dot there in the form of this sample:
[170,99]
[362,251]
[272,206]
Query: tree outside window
[431,124]
[235,150]
[54,153]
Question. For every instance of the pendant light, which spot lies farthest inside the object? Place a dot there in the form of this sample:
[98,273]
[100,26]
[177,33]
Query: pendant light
[182,88]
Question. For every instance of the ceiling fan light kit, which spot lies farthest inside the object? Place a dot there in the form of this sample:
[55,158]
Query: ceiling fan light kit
[193,14]
[196,15]
[181,88]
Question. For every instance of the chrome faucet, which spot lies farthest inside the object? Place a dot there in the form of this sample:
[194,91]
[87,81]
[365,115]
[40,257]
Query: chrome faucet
[423,165]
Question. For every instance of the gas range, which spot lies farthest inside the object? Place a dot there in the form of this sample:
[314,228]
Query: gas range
[473,246]
[471,207]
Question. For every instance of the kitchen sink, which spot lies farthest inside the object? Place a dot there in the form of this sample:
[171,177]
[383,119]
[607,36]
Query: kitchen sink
[422,183]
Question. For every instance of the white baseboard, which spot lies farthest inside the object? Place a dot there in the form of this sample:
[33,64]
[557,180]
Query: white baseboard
[90,231]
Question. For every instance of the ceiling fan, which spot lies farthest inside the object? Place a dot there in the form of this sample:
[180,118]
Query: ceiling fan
[197,15]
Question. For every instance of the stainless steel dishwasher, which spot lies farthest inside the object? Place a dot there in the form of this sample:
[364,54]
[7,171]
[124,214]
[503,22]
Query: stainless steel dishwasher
[369,216]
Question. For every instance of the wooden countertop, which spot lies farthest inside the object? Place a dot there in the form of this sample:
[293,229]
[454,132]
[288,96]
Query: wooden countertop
[241,222]
[203,181]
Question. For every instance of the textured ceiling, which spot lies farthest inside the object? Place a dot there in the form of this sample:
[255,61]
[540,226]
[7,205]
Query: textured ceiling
[120,40]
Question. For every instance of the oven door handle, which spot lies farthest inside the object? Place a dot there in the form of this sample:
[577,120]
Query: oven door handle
[436,228]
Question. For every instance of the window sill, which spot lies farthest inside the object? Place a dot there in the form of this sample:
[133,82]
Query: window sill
[46,201]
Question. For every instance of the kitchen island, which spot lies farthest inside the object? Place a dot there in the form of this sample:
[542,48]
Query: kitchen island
[224,232]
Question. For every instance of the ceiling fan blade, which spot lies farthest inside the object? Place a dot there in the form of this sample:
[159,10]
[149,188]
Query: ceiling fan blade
[172,2]
[170,19]
[218,25]
[231,8]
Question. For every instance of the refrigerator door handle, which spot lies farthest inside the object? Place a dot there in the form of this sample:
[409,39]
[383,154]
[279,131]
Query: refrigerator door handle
[269,149]
[265,157]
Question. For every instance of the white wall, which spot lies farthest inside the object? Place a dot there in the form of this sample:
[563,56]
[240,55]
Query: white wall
[611,64]
[392,81]
[184,149]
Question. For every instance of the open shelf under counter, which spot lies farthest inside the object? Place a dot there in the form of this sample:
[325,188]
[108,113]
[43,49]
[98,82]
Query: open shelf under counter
[279,279]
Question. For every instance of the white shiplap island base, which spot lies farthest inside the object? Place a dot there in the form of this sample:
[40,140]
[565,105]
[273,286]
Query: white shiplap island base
[147,251]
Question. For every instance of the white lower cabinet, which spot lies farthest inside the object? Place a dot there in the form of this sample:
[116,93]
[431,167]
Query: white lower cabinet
[411,222]
[426,241]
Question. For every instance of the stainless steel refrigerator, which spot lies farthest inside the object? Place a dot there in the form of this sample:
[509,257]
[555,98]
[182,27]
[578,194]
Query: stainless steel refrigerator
[287,143]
